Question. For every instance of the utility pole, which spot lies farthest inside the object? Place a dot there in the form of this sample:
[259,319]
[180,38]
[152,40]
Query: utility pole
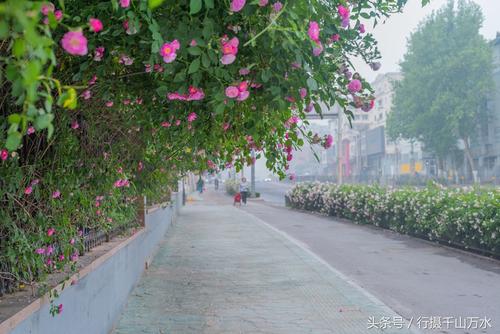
[252,175]
[339,147]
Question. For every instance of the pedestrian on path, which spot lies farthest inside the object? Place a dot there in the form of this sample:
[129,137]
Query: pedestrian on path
[244,190]
[216,183]
[200,184]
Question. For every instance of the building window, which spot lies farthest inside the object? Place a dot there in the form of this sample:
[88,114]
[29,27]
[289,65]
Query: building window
[489,162]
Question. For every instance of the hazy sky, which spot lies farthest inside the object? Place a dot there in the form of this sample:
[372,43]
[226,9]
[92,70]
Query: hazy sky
[392,35]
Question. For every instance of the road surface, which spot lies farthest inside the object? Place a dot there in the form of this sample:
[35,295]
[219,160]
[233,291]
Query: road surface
[413,277]
[273,192]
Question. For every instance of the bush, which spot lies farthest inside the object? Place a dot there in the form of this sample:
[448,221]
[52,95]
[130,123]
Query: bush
[232,187]
[469,217]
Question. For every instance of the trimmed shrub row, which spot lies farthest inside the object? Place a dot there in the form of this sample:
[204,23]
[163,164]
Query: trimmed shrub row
[466,217]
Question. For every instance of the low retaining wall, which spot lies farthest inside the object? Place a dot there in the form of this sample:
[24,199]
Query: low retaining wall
[94,303]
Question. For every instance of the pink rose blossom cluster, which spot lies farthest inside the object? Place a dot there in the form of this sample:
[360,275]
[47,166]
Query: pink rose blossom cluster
[229,49]
[195,94]
[344,14]
[99,53]
[192,117]
[120,183]
[328,141]
[239,92]
[49,7]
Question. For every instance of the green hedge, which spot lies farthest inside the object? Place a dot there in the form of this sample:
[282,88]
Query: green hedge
[466,217]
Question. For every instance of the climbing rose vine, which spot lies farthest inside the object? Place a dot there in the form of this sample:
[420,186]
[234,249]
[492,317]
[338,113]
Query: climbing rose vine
[110,100]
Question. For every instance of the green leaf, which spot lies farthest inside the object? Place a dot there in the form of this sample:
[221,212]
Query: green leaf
[205,60]
[195,6]
[312,84]
[43,121]
[154,3]
[195,66]
[209,4]
[32,72]
[14,119]
[220,108]
[4,29]
[13,141]
[19,48]
[180,77]
[195,51]
[162,91]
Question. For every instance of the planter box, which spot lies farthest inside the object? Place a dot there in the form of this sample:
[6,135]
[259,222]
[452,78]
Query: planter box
[94,303]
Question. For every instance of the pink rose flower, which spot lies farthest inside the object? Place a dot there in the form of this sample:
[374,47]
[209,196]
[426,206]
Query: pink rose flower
[124,3]
[40,251]
[126,60]
[335,37]
[263,3]
[229,50]
[354,86]
[193,43]
[74,125]
[244,71]
[4,154]
[169,51]
[30,131]
[303,93]
[109,104]
[74,43]
[47,8]
[232,92]
[93,80]
[318,50]
[195,94]
[191,117]
[49,250]
[277,6]
[28,190]
[328,142]
[237,5]
[362,28]
[87,94]
[98,53]
[58,15]
[313,31]
[95,25]
[165,124]
[56,194]
[343,12]
[51,231]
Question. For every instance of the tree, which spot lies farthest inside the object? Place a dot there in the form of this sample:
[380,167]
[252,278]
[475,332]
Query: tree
[447,75]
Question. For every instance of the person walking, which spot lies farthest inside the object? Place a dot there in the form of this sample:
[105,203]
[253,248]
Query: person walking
[200,184]
[244,190]
[216,183]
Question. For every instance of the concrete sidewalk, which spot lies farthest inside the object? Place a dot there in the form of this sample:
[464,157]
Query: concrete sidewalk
[222,270]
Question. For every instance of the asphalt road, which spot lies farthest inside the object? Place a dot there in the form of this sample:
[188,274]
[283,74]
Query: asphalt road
[413,277]
[273,192]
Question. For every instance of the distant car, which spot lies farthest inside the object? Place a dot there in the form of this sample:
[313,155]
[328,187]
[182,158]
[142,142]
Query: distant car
[267,179]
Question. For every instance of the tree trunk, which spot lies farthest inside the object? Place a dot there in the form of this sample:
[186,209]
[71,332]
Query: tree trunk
[468,155]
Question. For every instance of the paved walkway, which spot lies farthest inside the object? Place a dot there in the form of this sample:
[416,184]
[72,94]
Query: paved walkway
[224,271]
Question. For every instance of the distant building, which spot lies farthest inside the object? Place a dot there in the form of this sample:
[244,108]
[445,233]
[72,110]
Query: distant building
[486,145]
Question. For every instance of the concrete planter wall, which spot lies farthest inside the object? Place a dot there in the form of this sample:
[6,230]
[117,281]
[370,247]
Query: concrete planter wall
[94,304]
